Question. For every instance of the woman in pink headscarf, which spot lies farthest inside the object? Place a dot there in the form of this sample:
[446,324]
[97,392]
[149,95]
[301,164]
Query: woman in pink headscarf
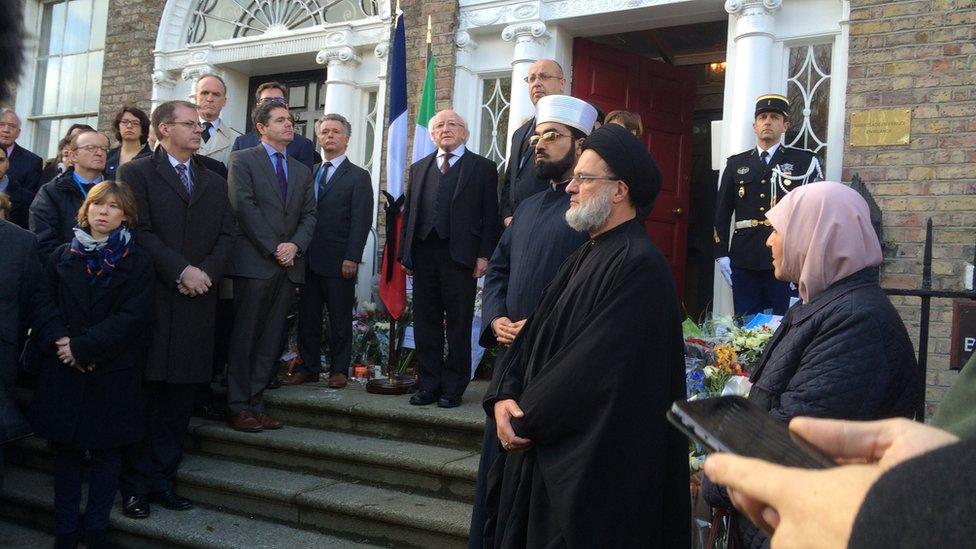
[843,351]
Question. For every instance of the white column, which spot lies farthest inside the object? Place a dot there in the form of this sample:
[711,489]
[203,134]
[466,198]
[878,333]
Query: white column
[466,85]
[340,83]
[193,73]
[530,40]
[751,26]
[164,82]
[753,38]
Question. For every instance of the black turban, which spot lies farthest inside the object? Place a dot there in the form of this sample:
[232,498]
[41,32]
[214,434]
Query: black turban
[628,160]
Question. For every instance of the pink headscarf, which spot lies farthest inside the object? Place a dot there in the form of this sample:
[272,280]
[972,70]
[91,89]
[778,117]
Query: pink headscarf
[827,236]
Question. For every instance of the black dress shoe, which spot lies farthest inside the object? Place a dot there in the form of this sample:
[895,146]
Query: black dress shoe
[423,398]
[135,507]
[171,500]
[448,402]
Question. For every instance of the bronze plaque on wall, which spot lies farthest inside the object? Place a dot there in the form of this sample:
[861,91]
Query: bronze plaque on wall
[881,127]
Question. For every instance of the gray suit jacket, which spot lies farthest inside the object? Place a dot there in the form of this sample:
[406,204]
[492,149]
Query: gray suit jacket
[264,219]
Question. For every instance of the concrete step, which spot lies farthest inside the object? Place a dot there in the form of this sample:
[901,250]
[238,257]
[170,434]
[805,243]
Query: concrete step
[432,470]
[28,497]
[18,536]
[354,410]
[324,503]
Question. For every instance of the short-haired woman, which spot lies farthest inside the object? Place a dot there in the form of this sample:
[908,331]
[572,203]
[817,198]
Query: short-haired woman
[131,128]
[630,120]
[93,316]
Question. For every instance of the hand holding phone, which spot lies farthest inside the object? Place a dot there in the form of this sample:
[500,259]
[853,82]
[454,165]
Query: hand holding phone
[735,425]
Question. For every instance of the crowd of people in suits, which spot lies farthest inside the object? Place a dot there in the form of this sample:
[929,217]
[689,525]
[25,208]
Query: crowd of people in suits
[141,270]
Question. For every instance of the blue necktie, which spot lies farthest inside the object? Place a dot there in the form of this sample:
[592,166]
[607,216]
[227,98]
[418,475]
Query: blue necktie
[765,157]
[280,172]
[325,177]
[181,169]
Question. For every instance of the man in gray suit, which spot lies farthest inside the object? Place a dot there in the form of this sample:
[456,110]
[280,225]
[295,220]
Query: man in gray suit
[275,207]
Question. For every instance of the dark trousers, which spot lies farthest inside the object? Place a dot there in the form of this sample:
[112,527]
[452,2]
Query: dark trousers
[442,289]
[260,306]
[338,295]
[755,291]
[479,515]
[151,464]
[222,330]
[102,484]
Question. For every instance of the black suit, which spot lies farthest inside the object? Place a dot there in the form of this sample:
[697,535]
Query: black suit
[25,168]
[20,201]
[344,216]
[176,229]
[443,264]
[301,148]
[521,180]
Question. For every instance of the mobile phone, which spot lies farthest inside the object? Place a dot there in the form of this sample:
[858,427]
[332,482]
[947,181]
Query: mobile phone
[734,424]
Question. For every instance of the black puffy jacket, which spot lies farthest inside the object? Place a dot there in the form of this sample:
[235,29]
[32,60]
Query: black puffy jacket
[844,355]
[54,212]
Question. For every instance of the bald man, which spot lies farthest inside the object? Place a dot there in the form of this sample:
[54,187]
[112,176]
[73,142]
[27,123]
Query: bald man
[450,229]
[521,179]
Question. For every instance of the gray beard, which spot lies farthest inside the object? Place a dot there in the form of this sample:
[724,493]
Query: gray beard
[592,215]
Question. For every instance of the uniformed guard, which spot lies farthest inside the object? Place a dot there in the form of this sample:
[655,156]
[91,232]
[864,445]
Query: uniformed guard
[751,184]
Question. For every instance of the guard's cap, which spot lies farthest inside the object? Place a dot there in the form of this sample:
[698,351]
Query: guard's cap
[567,110]
[772,102]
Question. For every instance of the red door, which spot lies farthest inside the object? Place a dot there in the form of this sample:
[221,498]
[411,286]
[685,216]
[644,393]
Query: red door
[664,96]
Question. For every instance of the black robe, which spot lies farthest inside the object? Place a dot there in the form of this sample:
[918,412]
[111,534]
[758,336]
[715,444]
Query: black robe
[597,366]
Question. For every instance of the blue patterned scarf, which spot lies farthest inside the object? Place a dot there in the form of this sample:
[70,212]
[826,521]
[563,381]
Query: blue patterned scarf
[101,256]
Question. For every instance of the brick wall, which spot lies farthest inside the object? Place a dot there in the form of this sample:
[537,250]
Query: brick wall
[129,40]
[920,54]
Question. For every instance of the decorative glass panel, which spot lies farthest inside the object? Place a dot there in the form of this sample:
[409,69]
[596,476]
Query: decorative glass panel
[808,88]
[223,19]
[369,135]
[495,94]
[68,81]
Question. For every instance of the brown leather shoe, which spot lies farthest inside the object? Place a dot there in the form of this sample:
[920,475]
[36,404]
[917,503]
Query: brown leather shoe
[337,381]
[245,421]
[299,377]
[268,422]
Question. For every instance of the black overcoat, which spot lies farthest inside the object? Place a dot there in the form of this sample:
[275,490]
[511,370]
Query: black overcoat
[177,230]
[595,369]
[110,328]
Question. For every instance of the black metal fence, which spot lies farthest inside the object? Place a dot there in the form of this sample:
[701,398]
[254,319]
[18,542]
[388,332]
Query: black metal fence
[926,293]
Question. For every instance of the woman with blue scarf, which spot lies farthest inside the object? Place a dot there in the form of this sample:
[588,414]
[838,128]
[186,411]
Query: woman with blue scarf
[94,314]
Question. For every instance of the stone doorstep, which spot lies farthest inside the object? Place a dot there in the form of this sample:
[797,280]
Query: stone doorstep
[17,536]
[433,469]
[353,409]
[29,495]
[325,503]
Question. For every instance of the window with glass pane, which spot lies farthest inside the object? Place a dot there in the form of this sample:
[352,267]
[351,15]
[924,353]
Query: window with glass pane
[495,100]
[808,89]
[68,82]
[369,135]
[222,19]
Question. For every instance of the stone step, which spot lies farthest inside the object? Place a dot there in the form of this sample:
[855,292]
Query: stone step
[28,497]
[333,505]
[432,470]
[354,410]
[18,536]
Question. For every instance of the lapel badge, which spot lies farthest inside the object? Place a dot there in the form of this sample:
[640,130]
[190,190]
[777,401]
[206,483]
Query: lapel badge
[787,169]
[743,170]
[742,192]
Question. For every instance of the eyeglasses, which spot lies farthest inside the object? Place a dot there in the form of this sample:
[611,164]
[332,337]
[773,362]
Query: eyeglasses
[449,124]
[187,124]
[580,179]
[129,122]
[532,78]
[547,137]
[92,148]
[278,100]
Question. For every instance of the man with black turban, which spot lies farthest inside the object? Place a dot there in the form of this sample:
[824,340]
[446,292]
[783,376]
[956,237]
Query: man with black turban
[580,400]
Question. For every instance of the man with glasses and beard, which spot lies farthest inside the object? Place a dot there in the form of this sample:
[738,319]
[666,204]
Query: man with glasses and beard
[581,396]
[531,250]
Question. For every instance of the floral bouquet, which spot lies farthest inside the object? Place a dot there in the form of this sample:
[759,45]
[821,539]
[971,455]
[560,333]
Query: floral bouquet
[718,356]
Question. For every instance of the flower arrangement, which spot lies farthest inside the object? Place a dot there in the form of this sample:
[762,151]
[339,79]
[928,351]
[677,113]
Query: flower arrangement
[718,356]
[371,336]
